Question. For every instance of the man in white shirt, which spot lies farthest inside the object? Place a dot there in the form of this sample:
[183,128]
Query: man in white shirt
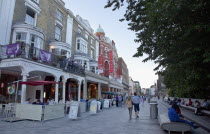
[136,102]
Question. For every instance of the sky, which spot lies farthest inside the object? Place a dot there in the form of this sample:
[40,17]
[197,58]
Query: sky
[96,14]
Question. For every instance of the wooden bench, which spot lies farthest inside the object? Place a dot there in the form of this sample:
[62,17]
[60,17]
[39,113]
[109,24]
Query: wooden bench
[169,126]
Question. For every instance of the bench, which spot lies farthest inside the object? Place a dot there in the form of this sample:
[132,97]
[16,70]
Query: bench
[205,112]
[169,126]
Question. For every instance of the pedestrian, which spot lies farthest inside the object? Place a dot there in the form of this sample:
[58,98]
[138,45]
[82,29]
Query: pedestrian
[136,102]
[174,117]
[120,100]
[129,104]
[117,100]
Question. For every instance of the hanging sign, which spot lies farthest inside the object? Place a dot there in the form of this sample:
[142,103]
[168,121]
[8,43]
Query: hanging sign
[93,107]
[13,49]
[11,89]
[74,108]
[45,56]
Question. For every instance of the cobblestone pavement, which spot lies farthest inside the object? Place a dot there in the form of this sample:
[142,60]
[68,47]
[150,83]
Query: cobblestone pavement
[109,121]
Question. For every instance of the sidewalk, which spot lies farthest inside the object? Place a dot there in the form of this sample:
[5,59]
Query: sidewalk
[109,121]
[205,121]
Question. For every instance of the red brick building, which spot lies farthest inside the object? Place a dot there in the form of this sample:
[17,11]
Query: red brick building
[108,57]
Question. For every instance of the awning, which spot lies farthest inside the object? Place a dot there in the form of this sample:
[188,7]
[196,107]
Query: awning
[108,92]
[38,83]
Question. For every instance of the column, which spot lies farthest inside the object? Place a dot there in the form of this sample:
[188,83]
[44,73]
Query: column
[23,89]
[85,89]
[99,90]
[79,91]
[64,91]
[56,93]
[109,88]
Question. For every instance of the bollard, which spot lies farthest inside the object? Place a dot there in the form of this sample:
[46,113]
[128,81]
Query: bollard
[153,110]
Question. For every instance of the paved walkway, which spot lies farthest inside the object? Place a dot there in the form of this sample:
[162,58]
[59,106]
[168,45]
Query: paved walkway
[109,121]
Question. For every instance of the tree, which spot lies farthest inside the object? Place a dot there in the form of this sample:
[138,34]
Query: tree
[175,35]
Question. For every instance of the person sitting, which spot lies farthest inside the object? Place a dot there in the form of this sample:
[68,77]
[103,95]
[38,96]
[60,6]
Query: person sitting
[28,101]
[205,105]
[179,102]
[198,107]
[178,111]
[183,102]
[174,117]
[38,102]
[189,103]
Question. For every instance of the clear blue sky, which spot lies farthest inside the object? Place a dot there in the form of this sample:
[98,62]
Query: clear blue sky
[94,12]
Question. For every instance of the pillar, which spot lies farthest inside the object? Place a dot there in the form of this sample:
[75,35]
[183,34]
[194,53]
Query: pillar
[23,89]
[99,90]
[64,91]
[79,91]
[84,89]
[56,93]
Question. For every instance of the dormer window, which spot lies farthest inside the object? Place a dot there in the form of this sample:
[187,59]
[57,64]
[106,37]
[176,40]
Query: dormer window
[59,15]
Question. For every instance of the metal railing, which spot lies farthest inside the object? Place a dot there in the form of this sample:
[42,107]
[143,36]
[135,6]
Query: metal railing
[33,54]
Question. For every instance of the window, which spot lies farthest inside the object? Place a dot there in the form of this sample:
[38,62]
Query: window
[79,31]
[59,15]
[86,36]
[91,41]
[101,49]
[78,44]
[36,41]
[36,1]
[30,16]
[57,33]
[21,37]
[92,53]
[82,45]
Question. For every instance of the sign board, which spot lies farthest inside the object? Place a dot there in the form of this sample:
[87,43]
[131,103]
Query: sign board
[106,103]
[74,110]
[93,107]
[99,105]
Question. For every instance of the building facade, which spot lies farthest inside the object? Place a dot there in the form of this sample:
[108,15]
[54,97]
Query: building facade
[48,53]
[123,71]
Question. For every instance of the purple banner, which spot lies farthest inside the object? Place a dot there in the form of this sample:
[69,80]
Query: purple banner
[13,49]
[45,56]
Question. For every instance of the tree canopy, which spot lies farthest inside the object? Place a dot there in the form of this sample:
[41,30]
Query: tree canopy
[175,34]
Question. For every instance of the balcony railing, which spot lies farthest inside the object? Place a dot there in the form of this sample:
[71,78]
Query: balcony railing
[30,20]
[41,56]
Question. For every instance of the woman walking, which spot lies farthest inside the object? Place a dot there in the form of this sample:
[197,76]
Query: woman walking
[129,104]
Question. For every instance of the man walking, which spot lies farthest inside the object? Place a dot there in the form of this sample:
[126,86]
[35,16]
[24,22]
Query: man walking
[136,102]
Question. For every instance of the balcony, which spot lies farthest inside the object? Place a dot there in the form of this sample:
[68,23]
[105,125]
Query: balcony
[30,20]
[38,55]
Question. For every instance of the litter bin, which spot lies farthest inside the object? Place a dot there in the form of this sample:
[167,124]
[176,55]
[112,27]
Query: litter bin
[153,110]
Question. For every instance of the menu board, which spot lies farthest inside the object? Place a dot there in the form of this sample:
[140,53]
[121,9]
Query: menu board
[74,108]
[106,103]
[93,107]
[99,105]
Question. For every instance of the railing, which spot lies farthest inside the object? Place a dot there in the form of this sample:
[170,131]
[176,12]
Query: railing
[30,20]
[41,56]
